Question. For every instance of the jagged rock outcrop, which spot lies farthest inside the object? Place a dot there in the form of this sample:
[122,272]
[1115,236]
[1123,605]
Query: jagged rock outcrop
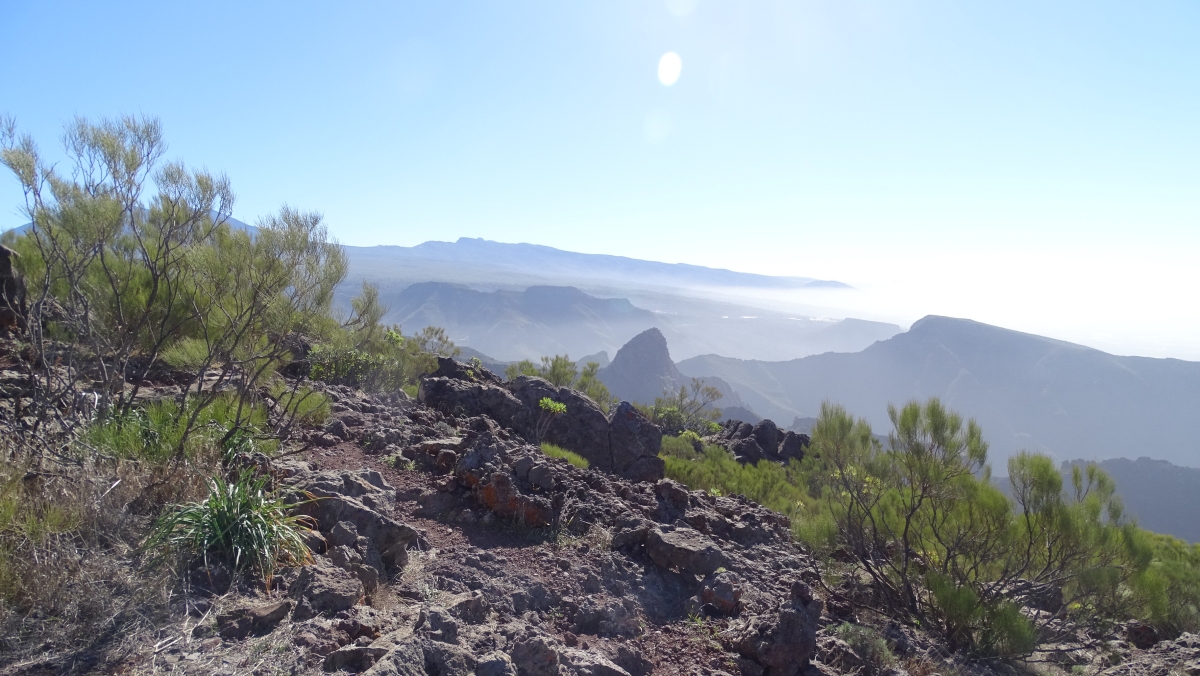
[624,443]
[642,369]
[761,441]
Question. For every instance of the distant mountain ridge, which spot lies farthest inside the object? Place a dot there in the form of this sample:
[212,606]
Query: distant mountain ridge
[1027,391]
[537,261]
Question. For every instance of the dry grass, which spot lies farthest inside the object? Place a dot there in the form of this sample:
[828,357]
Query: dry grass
[74,590]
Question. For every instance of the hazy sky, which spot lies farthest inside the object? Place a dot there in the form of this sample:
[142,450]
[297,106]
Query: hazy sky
[1030,164]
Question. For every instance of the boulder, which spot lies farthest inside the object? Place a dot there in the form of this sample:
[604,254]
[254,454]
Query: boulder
[325,589]
[625,443]
[792,446]
[782,642]
[583,428]
[354,658]
[340,503]
[763,440]
[447,660]
[495,663]
[685,549]
[606,617]
[1178,656]
[405,659]
[452,368]
[474,609]
[437,623]
[499,494]
[1141,635]
[767,435]
[466,397]
[723,591]
[747,451]
[673,494]
[587,663]
[535,656]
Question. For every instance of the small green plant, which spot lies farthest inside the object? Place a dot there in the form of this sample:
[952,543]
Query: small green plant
[240,523]
[400,463]
[571,457]
[550,410]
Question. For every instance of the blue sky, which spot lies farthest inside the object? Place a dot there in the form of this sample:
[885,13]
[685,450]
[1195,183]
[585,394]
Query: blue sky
[1030,164]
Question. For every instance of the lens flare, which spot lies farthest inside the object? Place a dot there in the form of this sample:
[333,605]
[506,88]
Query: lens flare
[668,68]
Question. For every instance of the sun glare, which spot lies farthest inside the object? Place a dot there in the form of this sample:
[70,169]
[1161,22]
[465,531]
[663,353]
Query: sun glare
[668,68]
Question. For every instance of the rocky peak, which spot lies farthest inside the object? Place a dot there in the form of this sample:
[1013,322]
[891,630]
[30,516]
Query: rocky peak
[642,369]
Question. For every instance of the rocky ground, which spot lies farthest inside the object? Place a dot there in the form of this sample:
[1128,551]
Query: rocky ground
[449,545]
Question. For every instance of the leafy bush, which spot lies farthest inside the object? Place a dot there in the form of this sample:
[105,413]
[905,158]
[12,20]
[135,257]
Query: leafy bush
[387,363]
[924,513]
[680,447]
[240,523]
[570,456]
[868,645]
[157,432]
[688,410]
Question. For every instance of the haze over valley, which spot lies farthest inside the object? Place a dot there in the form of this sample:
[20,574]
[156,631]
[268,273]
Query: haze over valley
[509,302]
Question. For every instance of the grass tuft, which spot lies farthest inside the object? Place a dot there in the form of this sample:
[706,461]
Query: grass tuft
[240,522]
[571,457]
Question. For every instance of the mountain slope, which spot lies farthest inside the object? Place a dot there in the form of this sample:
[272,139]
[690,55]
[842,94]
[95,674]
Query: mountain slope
[1028,392]
[1163,497]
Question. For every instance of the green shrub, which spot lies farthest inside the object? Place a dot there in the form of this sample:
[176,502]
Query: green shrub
[678,447]
[689,409]
[302,404]
[1006,631]
[240,523]
[571,457]
[766,482]
[868,645]
[777,487]
[154,433]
